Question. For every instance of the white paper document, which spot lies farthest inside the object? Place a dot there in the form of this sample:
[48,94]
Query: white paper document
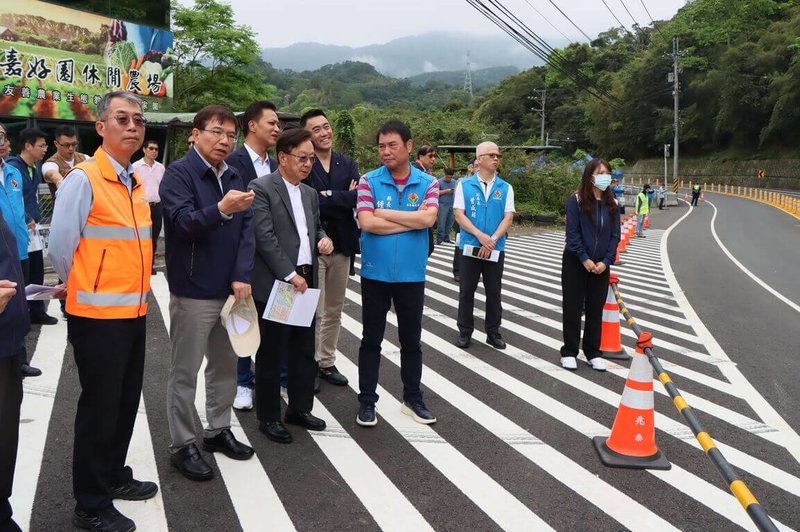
[35,292]
[472,251]
[287,305]
[34,239]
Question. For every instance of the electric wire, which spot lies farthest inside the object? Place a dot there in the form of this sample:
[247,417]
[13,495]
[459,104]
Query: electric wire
[653,22]
[616,17]
[570,21]
[629,12]
[545,19]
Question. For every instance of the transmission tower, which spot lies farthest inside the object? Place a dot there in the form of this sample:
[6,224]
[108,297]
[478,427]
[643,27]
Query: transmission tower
[468,76]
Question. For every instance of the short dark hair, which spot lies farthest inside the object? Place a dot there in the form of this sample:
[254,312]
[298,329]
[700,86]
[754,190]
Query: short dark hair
[425,149]
[254,111]
[449,171]
[210,112]
[291,138]
[64,131]
[148,142]
[311,113]
[30,135]
[394,126]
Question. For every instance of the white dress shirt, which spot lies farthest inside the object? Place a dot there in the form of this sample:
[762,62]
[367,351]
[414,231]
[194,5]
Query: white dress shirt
[295,195]
[261,166]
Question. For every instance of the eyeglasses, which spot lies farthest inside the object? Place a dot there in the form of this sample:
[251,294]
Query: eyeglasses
[304,159]
[152,148]
[69,145]
[232,137]
[492,155]
[3,138]
[124,120]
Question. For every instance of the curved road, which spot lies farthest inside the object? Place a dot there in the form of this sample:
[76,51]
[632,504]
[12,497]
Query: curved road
[758,331]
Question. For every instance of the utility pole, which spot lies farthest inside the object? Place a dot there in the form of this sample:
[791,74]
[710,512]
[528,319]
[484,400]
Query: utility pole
[675,94]
[666,155]
[540,96]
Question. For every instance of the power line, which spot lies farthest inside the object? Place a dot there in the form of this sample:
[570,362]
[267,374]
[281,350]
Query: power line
[629,13]
[545,19]
[616,17]
[650,17]
[570,21]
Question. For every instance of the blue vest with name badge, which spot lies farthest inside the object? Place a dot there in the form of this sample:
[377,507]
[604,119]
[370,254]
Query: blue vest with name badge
[485,215]
[401,257]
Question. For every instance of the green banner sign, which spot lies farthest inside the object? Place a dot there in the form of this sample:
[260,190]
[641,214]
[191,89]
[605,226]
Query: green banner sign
[57,62]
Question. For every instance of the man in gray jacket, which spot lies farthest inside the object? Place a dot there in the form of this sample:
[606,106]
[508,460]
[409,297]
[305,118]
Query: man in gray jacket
[289,238]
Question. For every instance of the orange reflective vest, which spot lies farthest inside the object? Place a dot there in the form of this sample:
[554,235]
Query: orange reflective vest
[110,276]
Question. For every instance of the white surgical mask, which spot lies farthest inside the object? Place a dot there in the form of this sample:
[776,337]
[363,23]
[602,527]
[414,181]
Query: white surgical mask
[601,181]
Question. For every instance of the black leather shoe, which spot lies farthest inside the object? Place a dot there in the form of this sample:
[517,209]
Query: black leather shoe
[225,443]
[134,490]
[464,340]
[305,420]
[105,520]
[30,371]
[333,376]
[191,464]
[456,278]
[275,431]
[496,341]
[44,319]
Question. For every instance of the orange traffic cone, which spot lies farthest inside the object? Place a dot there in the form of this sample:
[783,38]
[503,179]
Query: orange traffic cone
[702,197]
[686,197]
[610,334]
[647,221]
[632,443]
[617,260]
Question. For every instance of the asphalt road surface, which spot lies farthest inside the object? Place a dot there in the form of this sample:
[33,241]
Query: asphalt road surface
[512,448]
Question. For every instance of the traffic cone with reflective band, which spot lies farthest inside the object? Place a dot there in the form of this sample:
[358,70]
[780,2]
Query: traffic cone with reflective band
[632,443]
[610,335]
[647,221]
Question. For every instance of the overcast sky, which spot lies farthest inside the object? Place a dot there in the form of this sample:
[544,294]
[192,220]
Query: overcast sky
[362,22]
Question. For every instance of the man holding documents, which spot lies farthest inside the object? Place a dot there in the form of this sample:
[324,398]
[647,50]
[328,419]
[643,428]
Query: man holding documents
[208,226]
[289,238]
[484,207]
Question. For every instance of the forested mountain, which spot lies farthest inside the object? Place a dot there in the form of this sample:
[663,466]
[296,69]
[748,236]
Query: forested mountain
[739,91]
[485,77]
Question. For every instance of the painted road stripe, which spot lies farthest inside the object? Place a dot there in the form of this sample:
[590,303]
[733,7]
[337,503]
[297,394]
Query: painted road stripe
[755,466]
[382,499]
[500,505]
[714,498]
[756,401]
[249,487]
[586,484]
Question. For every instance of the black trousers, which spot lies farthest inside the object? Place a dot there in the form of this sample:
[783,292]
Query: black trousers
[109,355]
[456,254]
[10,401]
[36,276]
[579,287]
[471,271]
[25,266]
[695,197]
[157,215]
[296,346]
[377,297]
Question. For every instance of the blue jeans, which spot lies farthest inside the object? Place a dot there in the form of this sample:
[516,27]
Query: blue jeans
[446,218]
[640,224]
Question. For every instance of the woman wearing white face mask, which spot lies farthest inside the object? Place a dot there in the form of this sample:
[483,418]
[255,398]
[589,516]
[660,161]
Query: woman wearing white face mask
[592,236]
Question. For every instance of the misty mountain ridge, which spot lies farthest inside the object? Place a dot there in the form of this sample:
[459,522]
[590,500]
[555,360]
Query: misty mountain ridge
[485,77]
[409,56]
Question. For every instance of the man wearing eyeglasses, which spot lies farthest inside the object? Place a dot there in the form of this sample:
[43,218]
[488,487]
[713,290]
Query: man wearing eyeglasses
[289,238]
[150,172]
[484,207]
[65,157]
[100,242]
[210,247]
[262,127]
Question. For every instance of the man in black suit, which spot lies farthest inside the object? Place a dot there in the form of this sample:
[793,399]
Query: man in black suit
[335,176]
[289,238]
[261,128]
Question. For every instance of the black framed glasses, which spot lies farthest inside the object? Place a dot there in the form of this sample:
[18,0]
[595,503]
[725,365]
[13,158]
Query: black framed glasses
[304,159]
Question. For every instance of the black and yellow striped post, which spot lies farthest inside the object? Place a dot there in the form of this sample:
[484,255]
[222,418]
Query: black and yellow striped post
[745,497]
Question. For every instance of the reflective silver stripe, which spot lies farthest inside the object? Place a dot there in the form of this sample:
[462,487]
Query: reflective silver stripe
[110,300]
[115,233]
[641,371]
[610,299]
[637,399]
[610,316]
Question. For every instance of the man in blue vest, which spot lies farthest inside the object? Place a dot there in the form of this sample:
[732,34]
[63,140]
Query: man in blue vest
[396,205]
[484,207]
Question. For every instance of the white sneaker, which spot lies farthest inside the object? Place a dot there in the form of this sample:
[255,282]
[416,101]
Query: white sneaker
[285,394]
[244,398]
[598,364]
[569,363]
